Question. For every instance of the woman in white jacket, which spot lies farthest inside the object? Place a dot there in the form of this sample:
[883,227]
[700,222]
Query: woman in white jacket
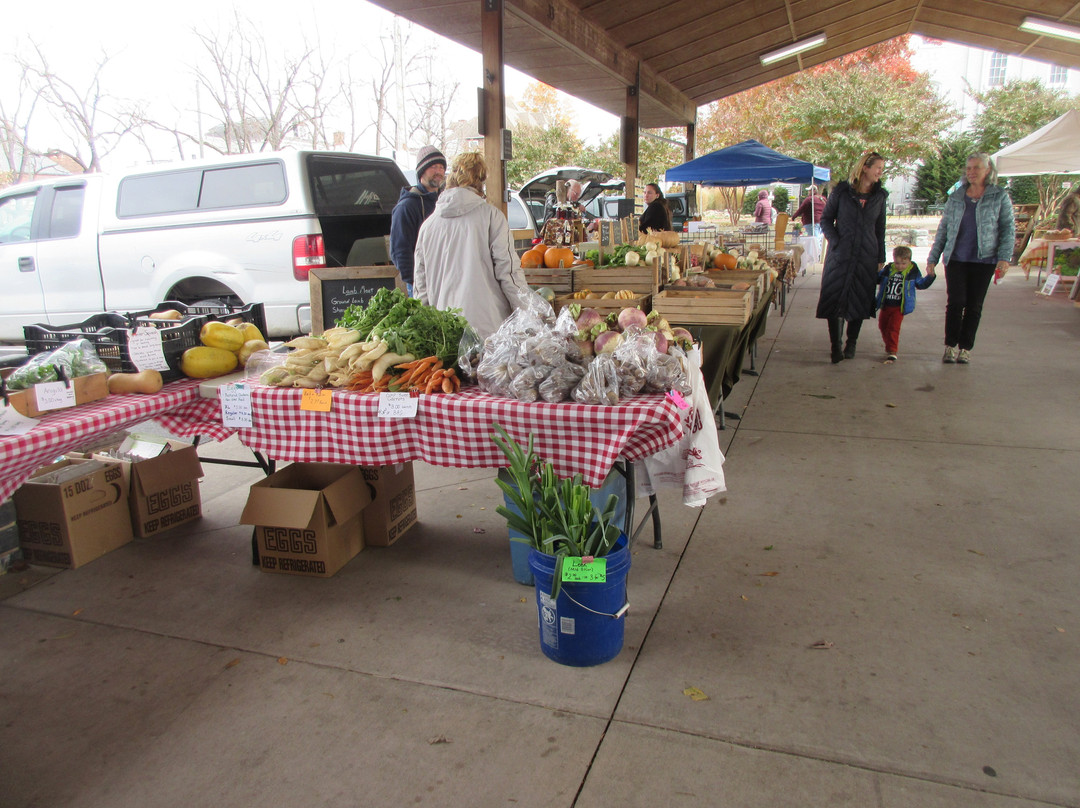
[465,256]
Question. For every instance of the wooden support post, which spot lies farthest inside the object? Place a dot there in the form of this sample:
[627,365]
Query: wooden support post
[688,155]
[491,33]
[628,138]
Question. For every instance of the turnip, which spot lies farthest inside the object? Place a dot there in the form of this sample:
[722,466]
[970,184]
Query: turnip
[607,342]
[661,341]
[629,318]
[682,338]
[584,344]
[588,319]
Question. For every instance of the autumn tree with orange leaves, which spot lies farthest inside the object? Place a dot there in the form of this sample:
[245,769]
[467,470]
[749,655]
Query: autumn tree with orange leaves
[829,114]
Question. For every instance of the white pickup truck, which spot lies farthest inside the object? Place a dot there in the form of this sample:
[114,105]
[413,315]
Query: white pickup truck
[242,229]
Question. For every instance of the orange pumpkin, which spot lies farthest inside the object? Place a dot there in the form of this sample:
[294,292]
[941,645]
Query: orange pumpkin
[556,255]
[582,262]
[540,248]
[531,259]
[725,261]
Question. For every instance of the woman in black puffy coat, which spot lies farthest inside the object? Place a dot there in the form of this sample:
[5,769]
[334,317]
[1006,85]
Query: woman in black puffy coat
[854,226]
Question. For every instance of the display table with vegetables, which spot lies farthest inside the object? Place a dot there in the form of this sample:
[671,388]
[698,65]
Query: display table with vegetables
[65,430]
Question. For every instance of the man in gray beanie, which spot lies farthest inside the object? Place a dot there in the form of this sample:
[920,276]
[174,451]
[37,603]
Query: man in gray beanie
[414,205]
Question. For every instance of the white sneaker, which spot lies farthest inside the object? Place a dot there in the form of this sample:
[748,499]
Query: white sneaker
[963,357]
[950,355]
[890,357]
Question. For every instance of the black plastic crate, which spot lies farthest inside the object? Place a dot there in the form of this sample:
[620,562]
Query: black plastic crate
[251,313]
[111,341]
[109,333]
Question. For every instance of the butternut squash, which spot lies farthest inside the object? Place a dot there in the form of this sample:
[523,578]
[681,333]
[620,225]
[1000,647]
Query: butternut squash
[221,335]
[205,362]
[145,381]
[168,314]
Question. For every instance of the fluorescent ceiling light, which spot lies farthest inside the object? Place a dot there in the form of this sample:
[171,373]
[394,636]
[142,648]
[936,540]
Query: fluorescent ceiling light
[1034,25]
[795,47]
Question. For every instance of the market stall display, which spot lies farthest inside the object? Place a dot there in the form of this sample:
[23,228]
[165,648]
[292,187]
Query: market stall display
[65,430]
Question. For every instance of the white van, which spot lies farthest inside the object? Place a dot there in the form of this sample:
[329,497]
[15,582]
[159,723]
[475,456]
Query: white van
[242,229]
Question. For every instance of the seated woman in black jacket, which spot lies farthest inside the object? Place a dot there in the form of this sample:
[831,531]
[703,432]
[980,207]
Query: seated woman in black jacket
[657,214]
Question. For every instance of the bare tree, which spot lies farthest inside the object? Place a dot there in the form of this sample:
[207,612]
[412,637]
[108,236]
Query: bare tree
[383,89]
[93,122]
[15,118]
[431,99]
[255,96]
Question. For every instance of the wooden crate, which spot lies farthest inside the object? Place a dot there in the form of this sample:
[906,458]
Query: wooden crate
[605,307]
[641,279]
[757,278]
[559,280]
[685,306]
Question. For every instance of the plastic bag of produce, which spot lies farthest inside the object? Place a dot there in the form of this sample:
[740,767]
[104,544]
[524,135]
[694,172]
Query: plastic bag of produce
[470,348]
[668,371]
[694,464]
[600,384]
[632,359]
[75,358]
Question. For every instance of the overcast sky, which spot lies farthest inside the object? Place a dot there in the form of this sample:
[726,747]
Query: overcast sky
[152,49]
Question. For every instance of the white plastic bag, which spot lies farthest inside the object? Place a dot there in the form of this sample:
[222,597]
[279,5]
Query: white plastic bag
[695,463]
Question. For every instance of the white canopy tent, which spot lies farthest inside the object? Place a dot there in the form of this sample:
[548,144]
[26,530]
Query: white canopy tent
[1054,149]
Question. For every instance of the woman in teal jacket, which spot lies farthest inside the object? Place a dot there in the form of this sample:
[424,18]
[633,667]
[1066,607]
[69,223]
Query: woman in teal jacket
[975,241]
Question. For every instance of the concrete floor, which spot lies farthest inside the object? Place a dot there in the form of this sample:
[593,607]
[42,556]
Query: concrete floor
[882,611]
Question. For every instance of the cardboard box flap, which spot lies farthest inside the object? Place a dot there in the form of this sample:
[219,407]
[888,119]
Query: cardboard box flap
[163,471]
[347,497]
[286,507]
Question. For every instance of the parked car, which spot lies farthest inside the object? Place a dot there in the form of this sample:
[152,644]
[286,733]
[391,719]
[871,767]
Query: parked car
[533,193]
[241,229]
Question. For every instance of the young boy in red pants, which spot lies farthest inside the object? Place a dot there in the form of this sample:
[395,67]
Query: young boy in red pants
[897,283]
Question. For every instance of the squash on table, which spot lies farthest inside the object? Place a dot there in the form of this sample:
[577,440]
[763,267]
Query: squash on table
[205,362]
[145,381]
[725,261]
[221,335]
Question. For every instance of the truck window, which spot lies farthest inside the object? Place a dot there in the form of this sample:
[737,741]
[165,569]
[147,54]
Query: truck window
[343,187]
[66,214]
[243,186]
[150,194]
[16,214]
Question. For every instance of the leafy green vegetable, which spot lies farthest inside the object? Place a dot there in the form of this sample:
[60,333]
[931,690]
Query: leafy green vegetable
[407,325]
[556,515]
[618,257]
[365,318]
[75,358]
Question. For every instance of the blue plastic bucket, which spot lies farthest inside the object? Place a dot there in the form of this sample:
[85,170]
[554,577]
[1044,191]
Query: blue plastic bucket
[615,484]
[584,626]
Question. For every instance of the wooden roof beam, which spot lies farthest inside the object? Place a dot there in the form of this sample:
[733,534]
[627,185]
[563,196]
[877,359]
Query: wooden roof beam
[563,22]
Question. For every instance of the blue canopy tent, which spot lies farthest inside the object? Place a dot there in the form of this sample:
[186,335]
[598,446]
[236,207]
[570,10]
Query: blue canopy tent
[746,163]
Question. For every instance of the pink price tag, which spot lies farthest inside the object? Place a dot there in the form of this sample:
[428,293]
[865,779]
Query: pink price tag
[678,400]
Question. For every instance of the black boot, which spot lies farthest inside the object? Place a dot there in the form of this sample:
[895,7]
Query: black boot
[835,326]
[853,329]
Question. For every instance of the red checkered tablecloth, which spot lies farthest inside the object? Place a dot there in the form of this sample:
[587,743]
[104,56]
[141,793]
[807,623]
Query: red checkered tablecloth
[69,429]
[455,430]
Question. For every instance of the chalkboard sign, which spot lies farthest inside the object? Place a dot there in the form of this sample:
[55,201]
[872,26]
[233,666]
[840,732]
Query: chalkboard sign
[609,232]
[334,290]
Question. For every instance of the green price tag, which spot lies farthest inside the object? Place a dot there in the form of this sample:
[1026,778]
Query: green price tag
[586,570]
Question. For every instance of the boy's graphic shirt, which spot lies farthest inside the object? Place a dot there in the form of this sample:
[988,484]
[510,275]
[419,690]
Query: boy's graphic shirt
[894,289]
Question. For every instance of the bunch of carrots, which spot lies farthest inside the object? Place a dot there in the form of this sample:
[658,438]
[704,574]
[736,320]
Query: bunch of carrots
[425,375]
